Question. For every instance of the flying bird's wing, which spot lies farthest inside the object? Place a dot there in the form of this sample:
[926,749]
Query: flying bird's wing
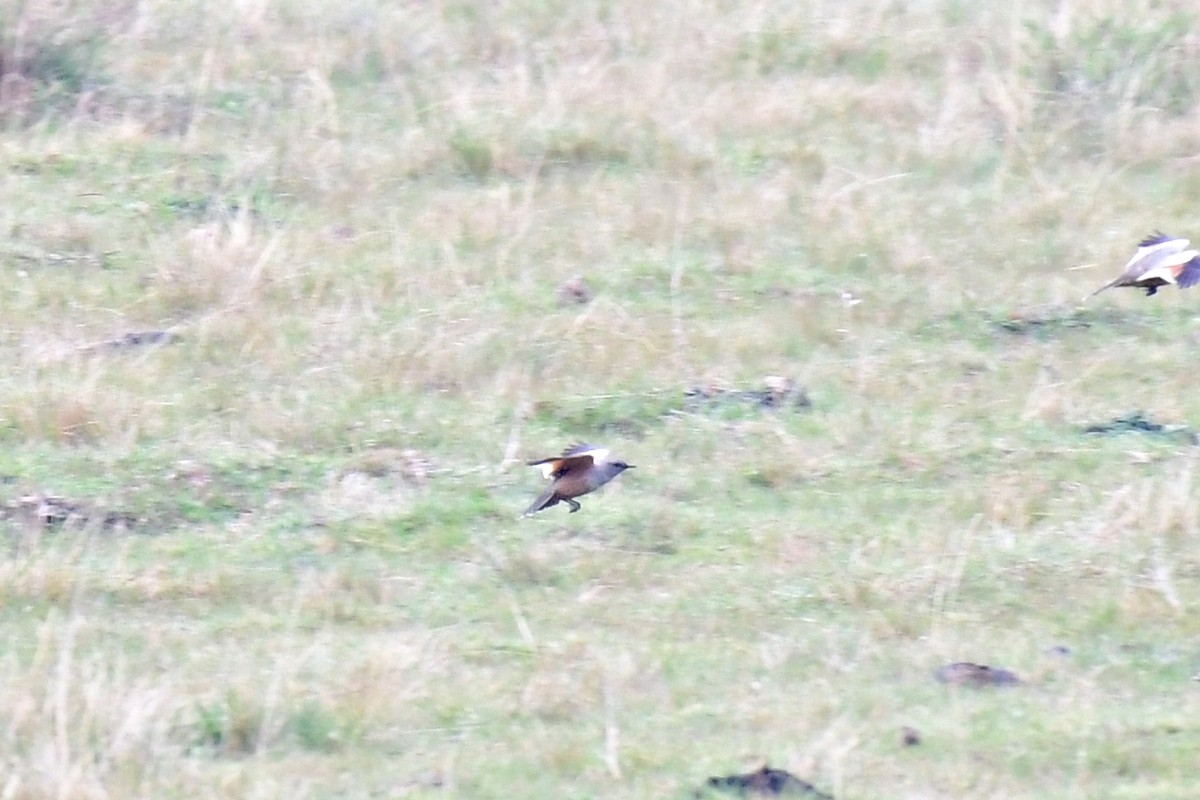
[583,461]
[574,457]
[1158,237]
[1188,273]
[580,456]
[1149,249]
[581,449]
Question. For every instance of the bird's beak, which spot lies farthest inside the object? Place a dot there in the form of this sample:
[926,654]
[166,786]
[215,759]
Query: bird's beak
[630,466]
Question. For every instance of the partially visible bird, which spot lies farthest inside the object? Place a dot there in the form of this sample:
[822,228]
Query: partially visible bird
[582,468]
[1160,260]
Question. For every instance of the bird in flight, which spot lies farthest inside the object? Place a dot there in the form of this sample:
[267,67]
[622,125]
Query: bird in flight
[582,468]
[1160,260]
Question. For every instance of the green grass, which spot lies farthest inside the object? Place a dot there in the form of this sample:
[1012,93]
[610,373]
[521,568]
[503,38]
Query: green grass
[282,554]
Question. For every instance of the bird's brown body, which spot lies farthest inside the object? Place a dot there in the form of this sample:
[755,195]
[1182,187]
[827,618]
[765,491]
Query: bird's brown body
[1160,260]
[581,469]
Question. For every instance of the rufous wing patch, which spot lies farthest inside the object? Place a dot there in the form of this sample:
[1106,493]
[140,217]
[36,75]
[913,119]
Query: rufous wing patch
[548,465]
[576,462]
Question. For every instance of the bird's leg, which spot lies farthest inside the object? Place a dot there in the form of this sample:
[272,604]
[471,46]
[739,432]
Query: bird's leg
[1150,290]
[574,506]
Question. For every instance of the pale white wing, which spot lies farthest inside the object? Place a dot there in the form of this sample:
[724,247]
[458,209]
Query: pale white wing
[1180,258]
[1170,245]
[599,454]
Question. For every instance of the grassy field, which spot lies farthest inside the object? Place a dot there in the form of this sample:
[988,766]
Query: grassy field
[276,551]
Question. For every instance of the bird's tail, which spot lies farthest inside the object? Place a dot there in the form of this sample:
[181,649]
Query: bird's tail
[1108,285]
[546,500]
